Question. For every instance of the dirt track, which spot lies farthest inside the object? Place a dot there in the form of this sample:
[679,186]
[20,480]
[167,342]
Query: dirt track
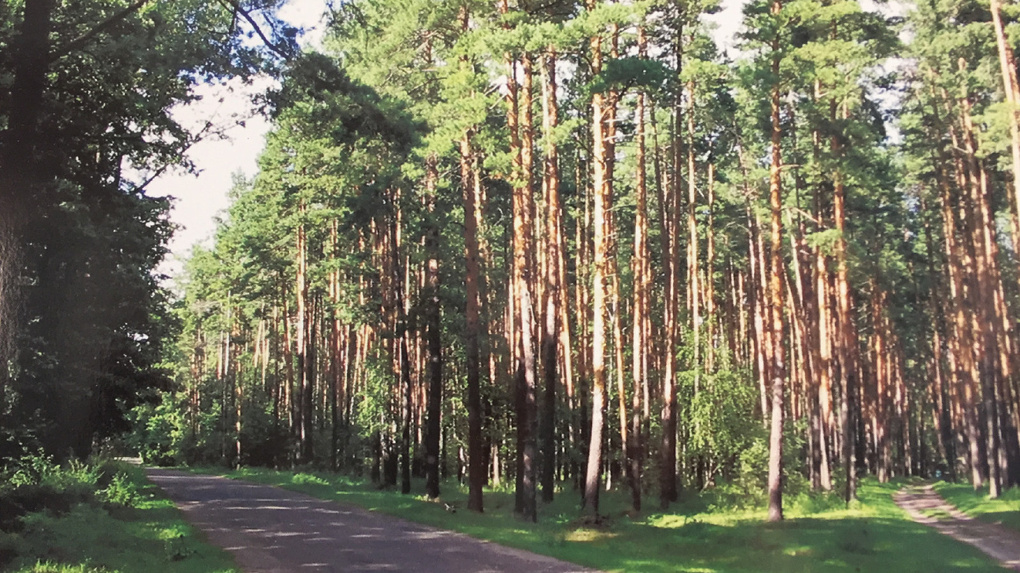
[269,529]
[999,542]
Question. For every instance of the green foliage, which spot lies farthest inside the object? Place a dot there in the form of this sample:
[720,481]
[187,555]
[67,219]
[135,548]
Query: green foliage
[159,432]
[78,147]
[125,525]
[36,483]
[122,491]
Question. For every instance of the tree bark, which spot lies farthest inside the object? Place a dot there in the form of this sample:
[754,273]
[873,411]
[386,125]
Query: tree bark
[775,478]
[640,330]
[553,263]
[433,318]
[602,202]
[476,461]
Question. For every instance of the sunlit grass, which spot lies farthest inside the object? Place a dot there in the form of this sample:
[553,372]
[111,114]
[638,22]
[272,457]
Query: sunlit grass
[1004,510]
[871,535]
[149,537]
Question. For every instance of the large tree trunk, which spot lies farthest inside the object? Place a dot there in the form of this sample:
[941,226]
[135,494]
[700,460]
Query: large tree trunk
[19,170]
[985,319]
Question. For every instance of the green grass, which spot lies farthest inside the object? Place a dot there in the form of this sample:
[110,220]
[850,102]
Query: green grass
[148,536]
[873,535]
[1004,510]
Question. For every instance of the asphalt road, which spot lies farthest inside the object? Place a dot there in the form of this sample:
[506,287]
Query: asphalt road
[269,529]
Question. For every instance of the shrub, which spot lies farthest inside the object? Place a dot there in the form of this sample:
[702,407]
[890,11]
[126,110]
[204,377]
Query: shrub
[120,492]
[36,483]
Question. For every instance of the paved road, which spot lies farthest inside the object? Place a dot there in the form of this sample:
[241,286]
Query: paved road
[1001,543]
[269,529]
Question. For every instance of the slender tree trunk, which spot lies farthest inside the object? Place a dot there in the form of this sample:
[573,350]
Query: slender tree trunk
[709,281]
[602,203]
[476,461]
[525,500]
[433,318]
[671,252]
[1007,64]
[305,368]
[553,262]
[693,255]
[642,288]
[775,479]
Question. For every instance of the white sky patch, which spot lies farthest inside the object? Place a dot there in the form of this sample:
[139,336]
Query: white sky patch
[199,199]
[727,21]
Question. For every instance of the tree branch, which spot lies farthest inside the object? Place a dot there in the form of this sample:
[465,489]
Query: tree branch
[236,5]
[80,41]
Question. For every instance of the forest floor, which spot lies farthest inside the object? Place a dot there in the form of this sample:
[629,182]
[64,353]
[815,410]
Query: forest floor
[700,534]
[126,526]
[269,529]
[924,505]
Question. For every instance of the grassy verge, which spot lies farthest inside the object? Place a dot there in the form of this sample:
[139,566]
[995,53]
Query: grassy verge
[128,527]
[1004,510]
[873,535]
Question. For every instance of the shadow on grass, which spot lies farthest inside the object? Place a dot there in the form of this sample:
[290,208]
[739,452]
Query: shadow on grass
[1005,510]
[873,536]
[147,536]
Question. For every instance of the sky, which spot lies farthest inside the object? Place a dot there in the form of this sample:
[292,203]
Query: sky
[200,200]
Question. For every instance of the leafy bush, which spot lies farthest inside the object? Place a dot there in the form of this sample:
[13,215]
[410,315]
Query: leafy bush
[36,483]
[120,492]
[300,478]
[158,432]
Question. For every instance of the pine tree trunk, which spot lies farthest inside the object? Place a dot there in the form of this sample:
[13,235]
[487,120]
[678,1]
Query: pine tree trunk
[553,264]
[642,287]
[1007,64]
[305,368]
[433,315]
[476,461]
[336,364]
[671,216]
[693,256]
[984,320]
[524,369]
[709,281]
[602,203]
[775,478]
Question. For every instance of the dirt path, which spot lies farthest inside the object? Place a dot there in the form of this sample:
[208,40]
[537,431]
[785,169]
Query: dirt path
[925,505]
[269,529]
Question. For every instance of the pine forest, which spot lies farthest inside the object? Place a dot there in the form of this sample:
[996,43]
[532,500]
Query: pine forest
[556,247]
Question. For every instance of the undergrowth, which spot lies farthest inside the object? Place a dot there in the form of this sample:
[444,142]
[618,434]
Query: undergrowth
[99,516]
